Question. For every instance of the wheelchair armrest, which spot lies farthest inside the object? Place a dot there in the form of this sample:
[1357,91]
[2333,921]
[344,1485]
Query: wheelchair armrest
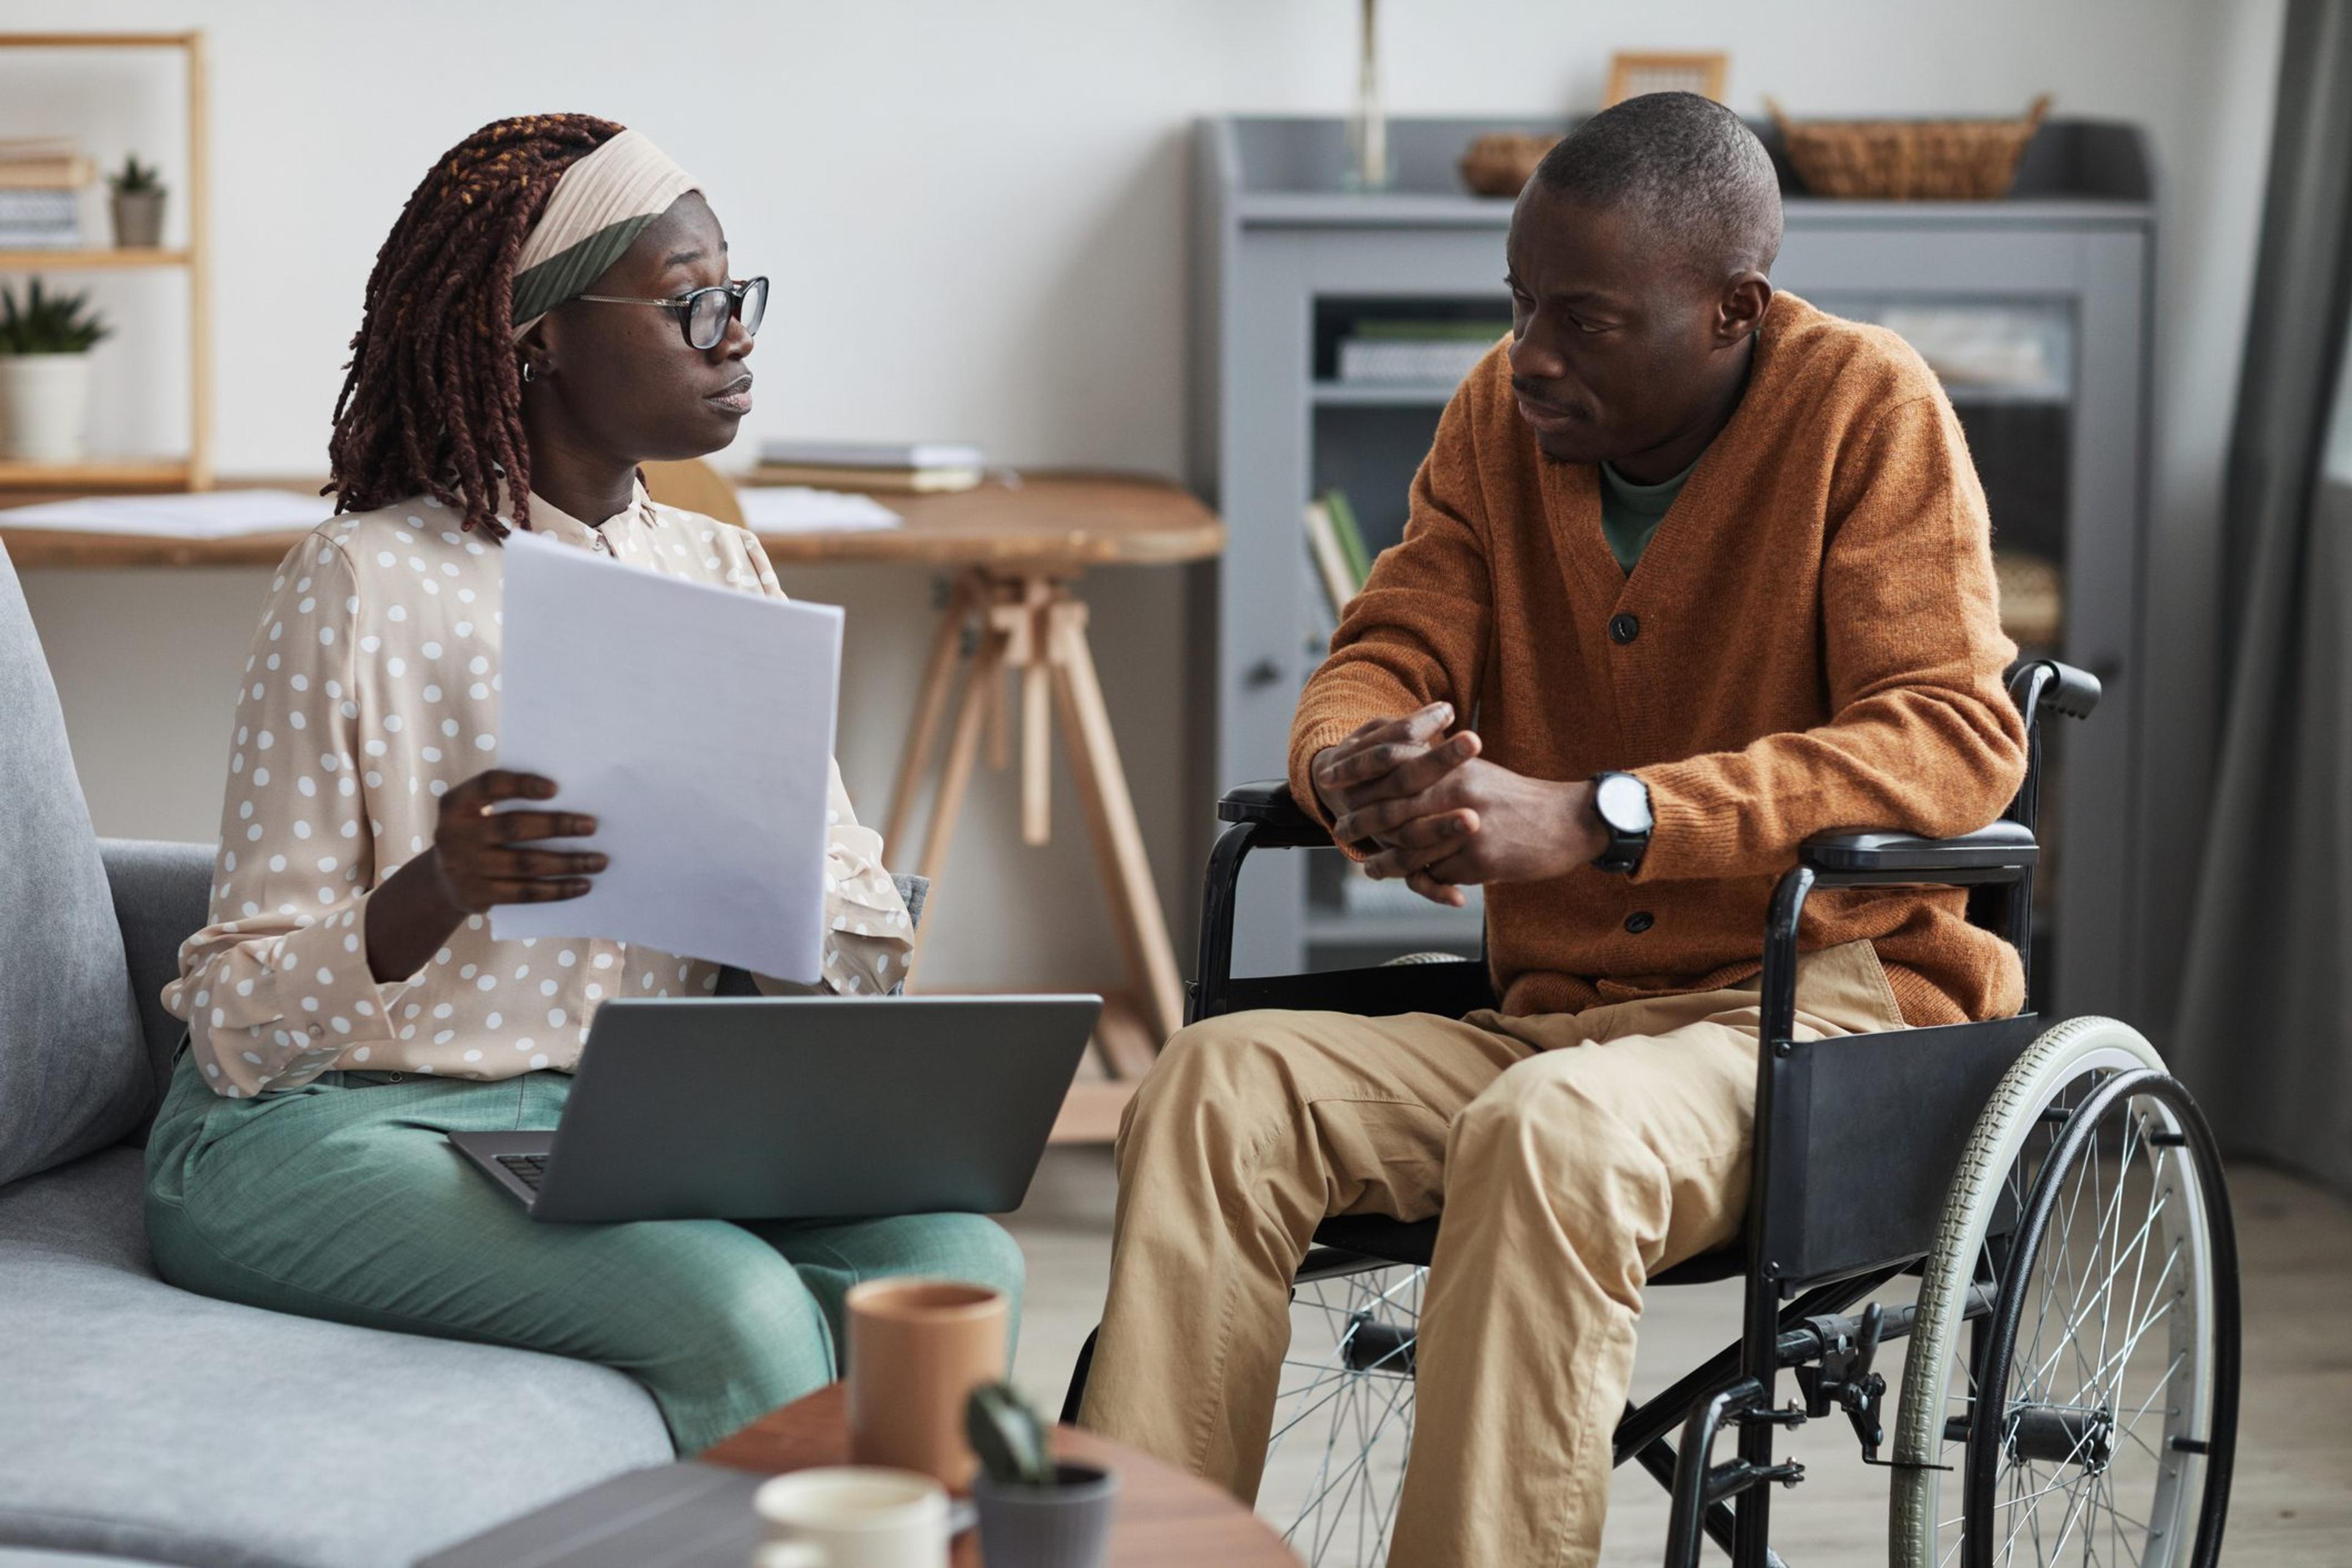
[1268,800]
[2001,852]
[1276,821]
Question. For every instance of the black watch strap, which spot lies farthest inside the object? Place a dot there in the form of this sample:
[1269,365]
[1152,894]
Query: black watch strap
[1622,803]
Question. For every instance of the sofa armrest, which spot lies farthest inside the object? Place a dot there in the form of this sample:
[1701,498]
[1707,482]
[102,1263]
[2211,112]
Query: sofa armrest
[163,893]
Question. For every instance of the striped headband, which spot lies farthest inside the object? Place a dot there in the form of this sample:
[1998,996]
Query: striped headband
[600,206]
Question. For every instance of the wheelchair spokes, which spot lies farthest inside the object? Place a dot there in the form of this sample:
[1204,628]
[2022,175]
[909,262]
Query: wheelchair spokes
[1343,1418]
[2108,1437]
[2107,1360]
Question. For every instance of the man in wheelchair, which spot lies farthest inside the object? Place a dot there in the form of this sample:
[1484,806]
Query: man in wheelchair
[1692,572]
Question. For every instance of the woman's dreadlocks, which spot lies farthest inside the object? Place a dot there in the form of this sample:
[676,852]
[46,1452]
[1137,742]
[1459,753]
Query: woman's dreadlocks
[433,401]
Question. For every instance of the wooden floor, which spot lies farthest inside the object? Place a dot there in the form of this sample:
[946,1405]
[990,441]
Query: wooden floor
[2292,1504]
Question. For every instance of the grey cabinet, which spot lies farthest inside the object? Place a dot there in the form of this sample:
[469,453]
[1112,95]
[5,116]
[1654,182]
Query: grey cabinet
[2052,285]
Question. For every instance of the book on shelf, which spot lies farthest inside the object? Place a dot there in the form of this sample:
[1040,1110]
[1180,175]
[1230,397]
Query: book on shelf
[1351,537]
[48,164]
[1378,351]
[1331,569]
[861,480]
[906,466]
[873,454]
[39,220]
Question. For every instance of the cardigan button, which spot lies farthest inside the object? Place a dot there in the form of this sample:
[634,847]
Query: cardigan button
[1624,630]
[1640,921]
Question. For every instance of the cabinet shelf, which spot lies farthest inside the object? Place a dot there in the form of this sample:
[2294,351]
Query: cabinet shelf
[1290,266]
[1327,927]
[193,472]
[1384,394]
[89,259]
[1437,395]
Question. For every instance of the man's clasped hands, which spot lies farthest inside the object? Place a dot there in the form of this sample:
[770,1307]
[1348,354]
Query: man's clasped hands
[1426,806]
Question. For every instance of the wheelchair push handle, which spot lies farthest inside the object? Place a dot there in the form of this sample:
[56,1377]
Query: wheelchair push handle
[2039,684]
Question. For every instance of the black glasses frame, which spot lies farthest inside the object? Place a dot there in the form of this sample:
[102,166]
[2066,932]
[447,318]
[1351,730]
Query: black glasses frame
[747,301]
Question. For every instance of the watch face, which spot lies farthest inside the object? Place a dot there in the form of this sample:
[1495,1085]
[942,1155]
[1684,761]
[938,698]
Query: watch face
[1624,803]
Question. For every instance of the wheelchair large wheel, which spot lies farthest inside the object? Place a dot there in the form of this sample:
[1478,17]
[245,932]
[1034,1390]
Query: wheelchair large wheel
[2070,1390]
[1343,1419]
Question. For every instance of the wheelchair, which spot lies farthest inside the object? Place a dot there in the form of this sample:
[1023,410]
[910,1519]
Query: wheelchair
[2069,1386]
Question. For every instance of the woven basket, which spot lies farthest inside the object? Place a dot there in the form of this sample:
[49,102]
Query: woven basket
[1908,160]
[1499,165]
[2032,598]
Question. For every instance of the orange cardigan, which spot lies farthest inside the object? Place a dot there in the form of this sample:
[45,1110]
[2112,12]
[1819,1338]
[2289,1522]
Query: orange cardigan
[1816,645]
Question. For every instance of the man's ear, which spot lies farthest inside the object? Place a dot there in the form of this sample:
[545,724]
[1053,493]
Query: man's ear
[1740,310]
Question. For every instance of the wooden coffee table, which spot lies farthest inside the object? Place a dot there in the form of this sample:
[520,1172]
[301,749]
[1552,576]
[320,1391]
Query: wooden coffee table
[1165,1516]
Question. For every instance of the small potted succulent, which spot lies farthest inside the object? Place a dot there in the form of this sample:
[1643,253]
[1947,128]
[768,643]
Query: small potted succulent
[44,344]
[138,202]
[1033,1512]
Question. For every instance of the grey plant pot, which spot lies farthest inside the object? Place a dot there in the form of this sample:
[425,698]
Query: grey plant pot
[138,219]
[1066,1525]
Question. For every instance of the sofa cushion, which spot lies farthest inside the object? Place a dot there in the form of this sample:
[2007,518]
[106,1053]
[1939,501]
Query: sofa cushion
[73,1074]
[142,1421]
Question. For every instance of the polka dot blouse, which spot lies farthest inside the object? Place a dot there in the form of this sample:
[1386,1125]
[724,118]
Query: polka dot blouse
[373,689]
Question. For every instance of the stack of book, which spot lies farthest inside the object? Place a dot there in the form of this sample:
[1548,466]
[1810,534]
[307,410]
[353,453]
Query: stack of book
[40,194]
[1336,544]
[868,466]
[1385,353]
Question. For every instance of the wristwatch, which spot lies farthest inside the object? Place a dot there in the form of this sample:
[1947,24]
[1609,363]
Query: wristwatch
[1623,802]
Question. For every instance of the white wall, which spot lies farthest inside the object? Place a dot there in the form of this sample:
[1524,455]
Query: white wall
[974,214]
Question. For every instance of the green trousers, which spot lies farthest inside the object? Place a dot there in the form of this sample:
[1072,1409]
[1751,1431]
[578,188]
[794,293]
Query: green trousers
[343,1200]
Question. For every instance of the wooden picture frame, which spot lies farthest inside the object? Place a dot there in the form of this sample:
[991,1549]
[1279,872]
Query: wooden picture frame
[1632,74]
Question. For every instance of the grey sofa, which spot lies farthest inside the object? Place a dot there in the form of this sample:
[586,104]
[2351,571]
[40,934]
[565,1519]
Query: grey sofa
[139,1422]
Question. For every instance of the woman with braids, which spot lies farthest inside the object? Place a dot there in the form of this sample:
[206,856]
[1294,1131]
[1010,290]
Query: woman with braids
[552,308]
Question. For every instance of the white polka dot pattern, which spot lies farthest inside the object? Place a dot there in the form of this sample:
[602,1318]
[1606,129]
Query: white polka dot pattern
[362,675]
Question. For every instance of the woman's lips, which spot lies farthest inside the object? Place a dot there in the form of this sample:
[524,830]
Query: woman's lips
[736,399]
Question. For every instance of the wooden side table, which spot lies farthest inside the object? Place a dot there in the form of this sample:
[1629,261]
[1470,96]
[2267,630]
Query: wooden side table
[1166,1518]
[1017,547]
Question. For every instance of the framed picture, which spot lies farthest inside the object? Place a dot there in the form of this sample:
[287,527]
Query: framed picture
[1631,75]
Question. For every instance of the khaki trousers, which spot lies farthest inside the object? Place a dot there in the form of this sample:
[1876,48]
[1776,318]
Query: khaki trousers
[1573,1155]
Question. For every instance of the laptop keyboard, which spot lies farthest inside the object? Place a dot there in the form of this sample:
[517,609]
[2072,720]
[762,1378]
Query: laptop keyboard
[530,1170]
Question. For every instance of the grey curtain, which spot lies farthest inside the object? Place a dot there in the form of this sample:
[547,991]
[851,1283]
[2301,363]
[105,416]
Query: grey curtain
[2265,1022]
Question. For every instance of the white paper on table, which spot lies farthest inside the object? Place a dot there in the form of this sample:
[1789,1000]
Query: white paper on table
[206,514]
[797,509]
[695,725]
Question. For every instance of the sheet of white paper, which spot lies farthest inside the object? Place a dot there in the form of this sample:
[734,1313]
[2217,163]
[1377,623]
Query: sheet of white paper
[796,508]
[209,514]
[695,723]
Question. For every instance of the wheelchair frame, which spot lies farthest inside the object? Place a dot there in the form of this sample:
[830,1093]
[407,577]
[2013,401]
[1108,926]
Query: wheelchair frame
[1839,1204]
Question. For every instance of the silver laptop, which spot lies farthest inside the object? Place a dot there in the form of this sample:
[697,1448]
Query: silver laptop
[799,1107]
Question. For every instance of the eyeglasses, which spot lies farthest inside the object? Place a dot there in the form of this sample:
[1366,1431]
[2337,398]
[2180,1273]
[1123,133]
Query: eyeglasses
[703,315]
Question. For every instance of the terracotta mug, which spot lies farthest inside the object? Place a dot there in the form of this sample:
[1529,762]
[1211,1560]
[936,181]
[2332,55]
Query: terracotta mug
[917,1349]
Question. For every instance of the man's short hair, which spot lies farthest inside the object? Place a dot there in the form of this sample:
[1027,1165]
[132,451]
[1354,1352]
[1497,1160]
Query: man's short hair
[1689,168]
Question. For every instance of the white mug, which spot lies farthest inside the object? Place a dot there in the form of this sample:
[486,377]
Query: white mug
[851,1517]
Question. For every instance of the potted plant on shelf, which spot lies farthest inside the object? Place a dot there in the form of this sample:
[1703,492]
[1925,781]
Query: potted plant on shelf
[44,344]
[138,203]
[1033,1512]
